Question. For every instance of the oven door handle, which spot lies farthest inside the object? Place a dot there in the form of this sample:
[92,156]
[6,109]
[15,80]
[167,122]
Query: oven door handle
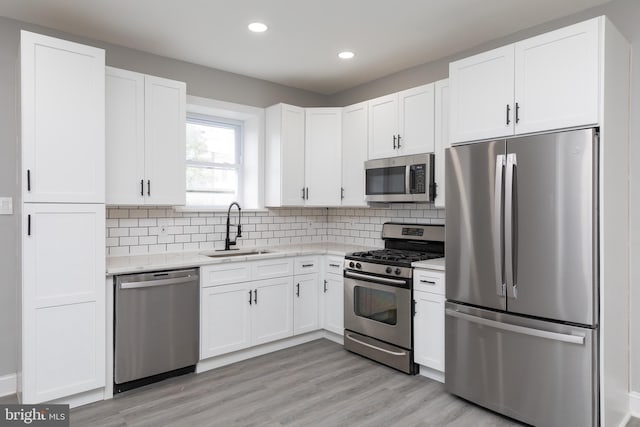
[383,280]
[393,353]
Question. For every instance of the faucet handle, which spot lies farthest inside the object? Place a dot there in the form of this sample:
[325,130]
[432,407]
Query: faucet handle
[239,233]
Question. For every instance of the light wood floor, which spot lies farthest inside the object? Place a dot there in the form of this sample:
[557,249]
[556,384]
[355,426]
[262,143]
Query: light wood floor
[314,384]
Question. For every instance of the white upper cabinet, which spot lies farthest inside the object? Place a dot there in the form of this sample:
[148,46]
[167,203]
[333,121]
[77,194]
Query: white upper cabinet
[146,134]
[354,153]
[543,83]
[284,155]
[63,106]
[556,79]
[441,137]
[323,140]
[402,123]
[481,90]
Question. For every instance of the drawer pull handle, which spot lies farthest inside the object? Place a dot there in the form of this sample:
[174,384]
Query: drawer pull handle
[431,282]
[307,265]
[334,265]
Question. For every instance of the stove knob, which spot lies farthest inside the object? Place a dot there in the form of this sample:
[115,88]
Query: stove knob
[388,270]
[358,265]
[397,271]
[351,264]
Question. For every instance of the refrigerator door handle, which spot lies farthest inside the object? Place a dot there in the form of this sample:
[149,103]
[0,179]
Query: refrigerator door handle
[498,218]
[511,226]
[539,333]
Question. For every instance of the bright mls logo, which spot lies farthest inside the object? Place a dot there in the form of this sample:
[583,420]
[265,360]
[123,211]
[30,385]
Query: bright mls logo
[34,415]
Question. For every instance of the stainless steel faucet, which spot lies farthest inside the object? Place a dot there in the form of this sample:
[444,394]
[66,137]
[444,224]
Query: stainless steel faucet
[227,241]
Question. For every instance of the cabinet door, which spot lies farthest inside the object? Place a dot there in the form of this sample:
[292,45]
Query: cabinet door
[557,77]
[165,141]
[481,90]
[428,329]
[334,303]
[292,155]
[354,153]
[63,113]
[63,300]
[124,137]
[272,311]
[305,303]
[383,126]
[416,120]
[225,319]
[442,137]
[323,140]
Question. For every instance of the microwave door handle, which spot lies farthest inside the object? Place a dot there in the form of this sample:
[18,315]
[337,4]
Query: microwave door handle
[408,175]
[498,224]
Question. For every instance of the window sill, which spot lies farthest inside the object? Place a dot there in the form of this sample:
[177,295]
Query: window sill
[214,209]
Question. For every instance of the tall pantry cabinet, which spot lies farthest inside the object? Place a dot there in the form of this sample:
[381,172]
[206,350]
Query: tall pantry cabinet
[62,223]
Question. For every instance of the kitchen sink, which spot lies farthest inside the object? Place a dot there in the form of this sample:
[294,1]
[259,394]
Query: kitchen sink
[235,252]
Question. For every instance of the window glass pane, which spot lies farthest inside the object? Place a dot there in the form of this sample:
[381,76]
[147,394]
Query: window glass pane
[211,179]
[211,143]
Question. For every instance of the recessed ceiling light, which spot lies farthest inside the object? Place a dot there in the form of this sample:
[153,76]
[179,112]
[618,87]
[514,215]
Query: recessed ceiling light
[257,27]
[346,55]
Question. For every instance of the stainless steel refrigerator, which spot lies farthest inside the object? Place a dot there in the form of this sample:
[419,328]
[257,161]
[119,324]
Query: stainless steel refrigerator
[521,318]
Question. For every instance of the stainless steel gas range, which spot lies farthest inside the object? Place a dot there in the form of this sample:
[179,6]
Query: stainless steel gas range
[378,294]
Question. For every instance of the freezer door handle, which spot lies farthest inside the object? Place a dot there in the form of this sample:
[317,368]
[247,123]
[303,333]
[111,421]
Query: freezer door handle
[498,250]
[555,336]
[511,225]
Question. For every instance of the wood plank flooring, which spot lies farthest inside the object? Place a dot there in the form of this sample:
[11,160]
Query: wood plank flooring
[314,384]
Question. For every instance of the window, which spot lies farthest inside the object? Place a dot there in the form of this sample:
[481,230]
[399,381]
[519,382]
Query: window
[214,160]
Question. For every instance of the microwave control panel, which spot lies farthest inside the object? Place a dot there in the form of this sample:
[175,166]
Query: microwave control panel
[418,177]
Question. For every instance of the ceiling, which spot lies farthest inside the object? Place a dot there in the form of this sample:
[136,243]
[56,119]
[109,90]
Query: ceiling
[300,48]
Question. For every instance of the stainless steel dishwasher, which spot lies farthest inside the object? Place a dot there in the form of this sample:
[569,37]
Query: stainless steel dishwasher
[156,326]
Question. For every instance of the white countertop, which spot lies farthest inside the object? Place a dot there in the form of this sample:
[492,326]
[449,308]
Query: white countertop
[432,264]
[164,261]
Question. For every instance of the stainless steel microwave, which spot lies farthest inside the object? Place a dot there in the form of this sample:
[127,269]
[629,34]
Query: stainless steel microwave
[400,179]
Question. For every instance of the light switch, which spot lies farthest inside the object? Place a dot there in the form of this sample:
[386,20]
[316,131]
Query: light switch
[6,206]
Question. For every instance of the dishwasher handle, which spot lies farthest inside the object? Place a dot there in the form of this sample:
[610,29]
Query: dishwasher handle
[158,282]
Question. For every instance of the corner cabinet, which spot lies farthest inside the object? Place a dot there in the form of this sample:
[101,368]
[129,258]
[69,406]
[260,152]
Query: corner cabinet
[547,82]
[428,322]
[284,156]
[355,119]
[402,123]
[62,91]
[146,132]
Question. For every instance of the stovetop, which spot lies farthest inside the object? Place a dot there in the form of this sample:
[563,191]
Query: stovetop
[399,257]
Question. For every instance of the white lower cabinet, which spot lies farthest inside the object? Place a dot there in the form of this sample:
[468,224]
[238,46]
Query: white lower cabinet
[332,295]
[428,322]
[272,311]
[63,300]
[305,303]
[225,319]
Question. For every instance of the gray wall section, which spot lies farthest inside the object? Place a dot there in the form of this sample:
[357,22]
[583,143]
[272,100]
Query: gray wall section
[201,81]
[625,15]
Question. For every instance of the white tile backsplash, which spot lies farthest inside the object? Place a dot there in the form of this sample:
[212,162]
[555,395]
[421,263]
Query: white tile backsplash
[142,230]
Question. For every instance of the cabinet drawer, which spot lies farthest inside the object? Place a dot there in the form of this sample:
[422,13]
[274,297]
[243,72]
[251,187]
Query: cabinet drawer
[334,264]
[305,265]
[428,281]
[224,274]
[270,268]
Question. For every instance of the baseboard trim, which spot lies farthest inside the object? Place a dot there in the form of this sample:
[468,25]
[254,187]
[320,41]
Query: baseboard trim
[8,385]
[634,404]
[249,353]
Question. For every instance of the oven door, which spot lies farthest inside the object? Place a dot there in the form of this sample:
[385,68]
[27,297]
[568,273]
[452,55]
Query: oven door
[377,307]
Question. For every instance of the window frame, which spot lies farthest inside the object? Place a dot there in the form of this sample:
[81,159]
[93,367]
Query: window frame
[221,122]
